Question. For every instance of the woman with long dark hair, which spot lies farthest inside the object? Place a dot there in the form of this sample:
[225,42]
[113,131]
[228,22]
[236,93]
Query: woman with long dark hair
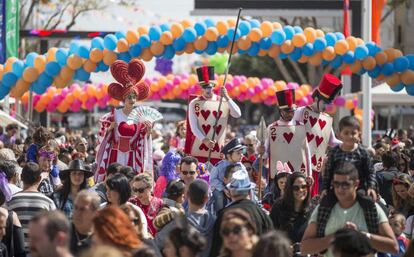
[74,180]
[290,213]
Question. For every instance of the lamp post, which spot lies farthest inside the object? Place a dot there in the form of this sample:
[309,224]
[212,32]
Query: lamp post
[365,79]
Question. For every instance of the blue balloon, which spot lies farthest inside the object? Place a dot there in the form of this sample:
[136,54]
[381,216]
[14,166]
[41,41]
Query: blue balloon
[200,28]
[255,23]
[387,69]
[144,41]
[296,54]
[230,34]
[374,72]
[135,50]
[39,88]
[189,35]
[244,27]
[209,23]
[44,80]
[239,51]
[179,44]
[289,31]
[324,62]
[362,71]
[83,52]
[18,68]
[361,52]
[336,62]
[298,29]
[223,41]
[97,42]
[401,64]
[30,59]
[165,27]
[373,49]
[398,87]
[154,33]
[82,75]
[339,36]
[120,34]
[168,52]
[349,57]
[73,47]
[124,56]
[102,66]
[282,56]
[319,44]
[211,48]
[307,49]
[198,51]
[265,43]
[410,58]
[410,89]
[110,42]
[3,91]
[278,36]
[52,69]
[61,56]
[330,39]
[254,49]
[9,79]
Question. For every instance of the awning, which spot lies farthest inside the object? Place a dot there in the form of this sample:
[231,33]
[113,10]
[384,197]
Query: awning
[6,119]
[383,95]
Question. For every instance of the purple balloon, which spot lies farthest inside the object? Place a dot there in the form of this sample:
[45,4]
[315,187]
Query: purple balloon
[340,101]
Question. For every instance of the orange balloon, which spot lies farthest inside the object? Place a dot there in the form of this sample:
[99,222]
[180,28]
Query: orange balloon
[280,85]
[341,47]
[25,98]
[50,55]
[132,37]
[39,63]
[274,51]
[66,73]
[89,66]
[186,23]
[267,28]
[222,27]
[271,90]
[352,42]
[320,33]
[40,108]
[356,66]
[349,104]
[392,54]
[166,38]
[277,25]
[298,94]
[381,58]
[310,34]
[157,48]
[122,45]
[255,35]
[287,47]
[9,63]
[303,59]
[189,48]
[299,40]
[96,55]
[177,91]
[20,88]
[211,34]
[329,53]
[146,55]
[244,43]
[235,48]
[30,74]
[380,77]
[108,58]
[177,30]
[393,80]
[83,97]
[360,41]
[407,77]
[231,22]
[59,82]
[143,30]
[316,59]
[369,63]
[200,43]
[262,52]
[74,62]
[243,87]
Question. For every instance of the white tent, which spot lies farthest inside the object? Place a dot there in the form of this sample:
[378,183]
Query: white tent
[6,119]
[383,95]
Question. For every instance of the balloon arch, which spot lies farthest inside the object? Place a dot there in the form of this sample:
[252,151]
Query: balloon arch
[59,66]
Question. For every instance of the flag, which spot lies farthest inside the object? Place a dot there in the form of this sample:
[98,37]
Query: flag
[377,6]
[12,27]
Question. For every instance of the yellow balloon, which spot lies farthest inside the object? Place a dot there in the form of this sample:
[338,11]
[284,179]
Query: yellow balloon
[166,38]
[267,28]
[132,37]
[96,55]
[122,45]
[329,53]
[222,27]
[40,63]
[211,34]
[177,30]
[287,47]
[30,74]
[255,35]
[310,34]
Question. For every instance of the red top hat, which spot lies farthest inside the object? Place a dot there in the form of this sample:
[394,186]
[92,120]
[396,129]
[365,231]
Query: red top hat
[286,99]
[329,87]
[129,76]
[206,76]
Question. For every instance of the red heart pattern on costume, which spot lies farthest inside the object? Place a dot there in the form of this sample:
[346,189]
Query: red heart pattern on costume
[305,121]
[216,148]
[322,123]
[290,166]
[215,114]
[197,113]
[318,140]
[218,129]
[273,138]
[288,136]
[302,167]
[203,147]
[313,121]
[205,114]
[314,161]
[127,129]
[206,128]
[309,136]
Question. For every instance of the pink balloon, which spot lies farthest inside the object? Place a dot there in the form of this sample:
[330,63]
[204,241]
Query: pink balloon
[340,101]
[176,80]
[236,80]
[258,89]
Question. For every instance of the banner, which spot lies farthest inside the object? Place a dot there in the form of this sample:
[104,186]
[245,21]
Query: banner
[2,32]
[12,24]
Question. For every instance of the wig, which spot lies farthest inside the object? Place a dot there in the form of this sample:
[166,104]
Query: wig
[170,161]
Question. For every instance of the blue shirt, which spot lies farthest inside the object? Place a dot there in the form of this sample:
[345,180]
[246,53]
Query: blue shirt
[217,175]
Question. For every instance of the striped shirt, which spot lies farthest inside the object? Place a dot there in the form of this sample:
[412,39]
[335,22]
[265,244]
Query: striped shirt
[27,205]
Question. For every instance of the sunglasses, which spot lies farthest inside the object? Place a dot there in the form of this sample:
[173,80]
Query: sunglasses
[298,188]
[343,185]
[185,173]
[139,190]
[236,230]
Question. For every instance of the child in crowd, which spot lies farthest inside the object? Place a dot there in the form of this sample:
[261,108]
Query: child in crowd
[351,151]
[397,222]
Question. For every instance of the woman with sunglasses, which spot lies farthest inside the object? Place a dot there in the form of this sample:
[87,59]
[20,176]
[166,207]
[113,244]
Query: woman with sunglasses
[290,213]
[239,234]
[402,201]
[142,197]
